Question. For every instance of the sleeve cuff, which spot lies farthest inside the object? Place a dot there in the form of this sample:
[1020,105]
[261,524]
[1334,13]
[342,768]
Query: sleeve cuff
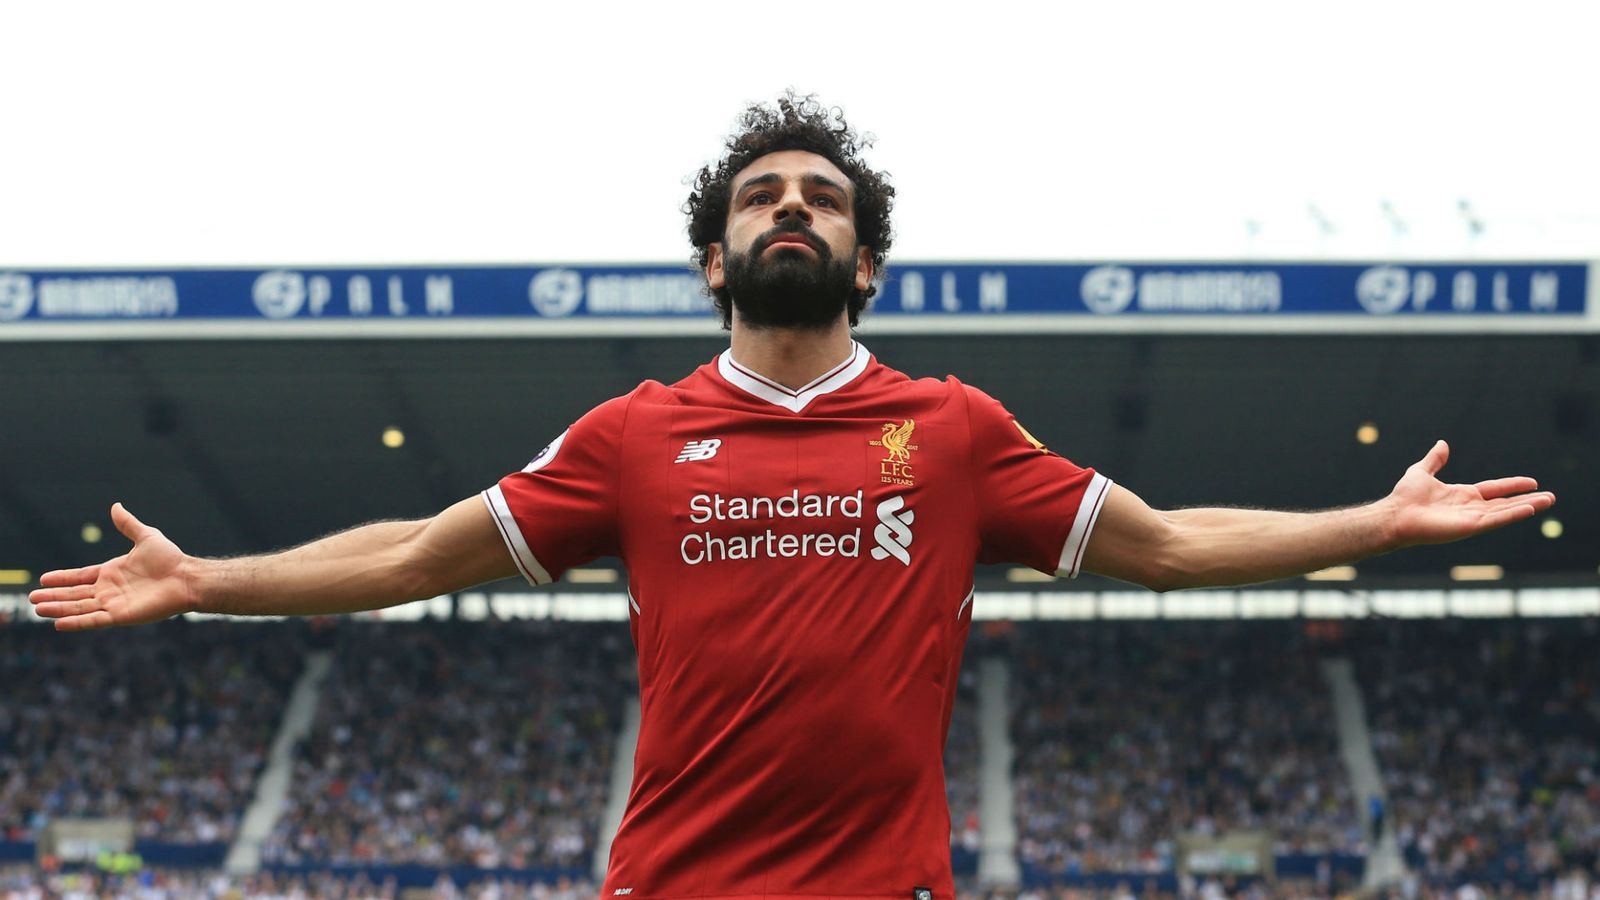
[526,562]
[1094,496]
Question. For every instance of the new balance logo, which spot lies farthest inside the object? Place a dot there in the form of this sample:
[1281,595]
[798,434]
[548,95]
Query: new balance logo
[695,451]
[893,533]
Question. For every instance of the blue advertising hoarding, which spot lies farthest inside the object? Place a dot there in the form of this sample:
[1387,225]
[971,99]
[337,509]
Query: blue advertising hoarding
[645,299]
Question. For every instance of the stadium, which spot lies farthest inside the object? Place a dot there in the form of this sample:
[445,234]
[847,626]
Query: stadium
[1414,724]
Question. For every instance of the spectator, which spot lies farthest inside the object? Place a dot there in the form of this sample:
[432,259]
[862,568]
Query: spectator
[1129,734]
[486,745]
[169,730]
[1488,735]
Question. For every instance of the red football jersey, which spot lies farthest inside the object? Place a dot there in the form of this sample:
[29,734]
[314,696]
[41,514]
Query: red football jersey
[800,568]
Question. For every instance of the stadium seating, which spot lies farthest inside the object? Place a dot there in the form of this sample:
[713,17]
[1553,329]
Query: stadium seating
[168,727]
[1128,734]
[483,750]
[485,745]
[961,766]
[1488,734]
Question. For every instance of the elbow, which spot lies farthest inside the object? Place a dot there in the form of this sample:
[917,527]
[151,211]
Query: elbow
[415,583]
[1146,571]
[413,573]
[1175,574]
[1142,546]
[1161,580]
[1166,566]
[1158,583]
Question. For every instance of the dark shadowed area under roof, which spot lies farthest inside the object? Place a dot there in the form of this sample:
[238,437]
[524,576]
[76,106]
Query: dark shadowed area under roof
[242,446]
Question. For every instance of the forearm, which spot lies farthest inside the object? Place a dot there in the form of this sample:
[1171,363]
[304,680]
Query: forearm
[368,567]
[1222,547]
[1190,548]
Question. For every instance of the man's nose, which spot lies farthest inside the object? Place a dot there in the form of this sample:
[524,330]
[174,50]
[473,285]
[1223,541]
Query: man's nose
[792,204]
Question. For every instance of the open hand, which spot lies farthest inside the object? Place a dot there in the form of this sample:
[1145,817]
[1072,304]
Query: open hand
[1426,510]
[147,584]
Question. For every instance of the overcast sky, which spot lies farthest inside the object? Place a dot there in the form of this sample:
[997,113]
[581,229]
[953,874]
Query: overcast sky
[315,132]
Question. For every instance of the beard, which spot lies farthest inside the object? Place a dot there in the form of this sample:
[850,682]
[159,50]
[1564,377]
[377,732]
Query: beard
[790,288]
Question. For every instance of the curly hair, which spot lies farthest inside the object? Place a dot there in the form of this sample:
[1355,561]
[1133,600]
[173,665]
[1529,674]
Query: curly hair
[797,123]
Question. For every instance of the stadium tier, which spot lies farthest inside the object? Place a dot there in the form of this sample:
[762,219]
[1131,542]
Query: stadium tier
[961,755]
[458,745]
[1489,738]
[168,730]
[482,753]
[1132,734]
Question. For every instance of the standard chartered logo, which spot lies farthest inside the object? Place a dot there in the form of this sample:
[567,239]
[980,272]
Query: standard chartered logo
[816,514]
[818,517]
[893,533]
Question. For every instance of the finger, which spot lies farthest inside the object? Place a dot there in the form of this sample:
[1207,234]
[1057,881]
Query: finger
[1500,487]
[1540,501]
[100,619]
[1436,458]
[131,528]
[1506,516]
[60,577]
[60,594]
[62,608]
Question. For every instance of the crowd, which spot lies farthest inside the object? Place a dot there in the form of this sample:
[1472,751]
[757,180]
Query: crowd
[440,744]
[167,728]
[1488,736]
[961,762]
[1131,734]
[30,883]
[491,745]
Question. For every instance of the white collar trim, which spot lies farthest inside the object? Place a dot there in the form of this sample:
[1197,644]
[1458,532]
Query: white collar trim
[764,388]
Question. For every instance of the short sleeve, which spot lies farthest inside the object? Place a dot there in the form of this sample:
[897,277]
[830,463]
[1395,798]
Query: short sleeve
[1034,506]
[561,510]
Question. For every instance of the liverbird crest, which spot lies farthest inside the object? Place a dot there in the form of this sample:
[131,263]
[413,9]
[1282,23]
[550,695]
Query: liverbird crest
[897,440]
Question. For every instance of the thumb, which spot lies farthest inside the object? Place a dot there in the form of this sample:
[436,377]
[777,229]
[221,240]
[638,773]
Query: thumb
[131,527]
[1436,458]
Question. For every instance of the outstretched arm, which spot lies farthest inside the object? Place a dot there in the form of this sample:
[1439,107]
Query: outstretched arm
[1215,547]
[376,565]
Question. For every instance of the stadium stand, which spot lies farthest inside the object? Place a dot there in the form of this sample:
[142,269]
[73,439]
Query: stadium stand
[470,759]
[459,745]
[167,729]
[1129,734]
[961,766]
[1488,734]
[27,883]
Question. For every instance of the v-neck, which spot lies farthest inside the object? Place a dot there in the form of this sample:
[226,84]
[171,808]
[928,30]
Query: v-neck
[764,388]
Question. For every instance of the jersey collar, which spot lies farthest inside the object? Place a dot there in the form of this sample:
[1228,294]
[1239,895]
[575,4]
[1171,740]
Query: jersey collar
[766,389]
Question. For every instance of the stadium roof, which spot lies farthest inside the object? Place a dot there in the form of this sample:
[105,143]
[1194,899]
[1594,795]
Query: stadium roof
[234,447]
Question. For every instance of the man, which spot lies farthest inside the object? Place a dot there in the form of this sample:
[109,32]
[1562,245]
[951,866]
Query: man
[800,525]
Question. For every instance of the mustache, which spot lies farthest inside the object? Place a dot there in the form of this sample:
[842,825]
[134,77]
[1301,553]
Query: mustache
[796,228]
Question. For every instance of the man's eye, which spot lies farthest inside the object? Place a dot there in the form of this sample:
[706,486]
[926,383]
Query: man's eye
[827,201]
[759,199]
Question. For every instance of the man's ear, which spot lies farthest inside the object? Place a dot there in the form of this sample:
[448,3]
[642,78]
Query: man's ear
[863,268]
[715,277]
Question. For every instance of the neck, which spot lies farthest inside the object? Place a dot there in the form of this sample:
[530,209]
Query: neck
[792,357]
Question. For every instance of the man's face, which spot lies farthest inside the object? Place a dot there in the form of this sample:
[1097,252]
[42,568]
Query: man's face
[789,257]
